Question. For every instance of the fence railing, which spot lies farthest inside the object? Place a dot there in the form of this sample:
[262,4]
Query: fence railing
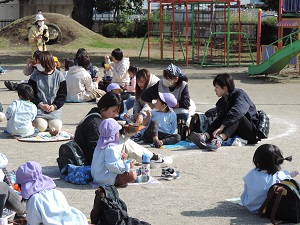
[4,23]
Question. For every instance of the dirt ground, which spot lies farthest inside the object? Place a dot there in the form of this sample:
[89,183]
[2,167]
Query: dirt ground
[207,178]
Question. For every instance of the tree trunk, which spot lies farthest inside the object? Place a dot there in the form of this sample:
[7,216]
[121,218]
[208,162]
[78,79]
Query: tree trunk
[83,12]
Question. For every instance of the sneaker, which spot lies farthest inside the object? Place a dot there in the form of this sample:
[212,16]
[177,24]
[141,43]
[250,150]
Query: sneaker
[9,85]
[198,139]
[215,143]
[6,213]
[160,160]
[137,137]
[170,174]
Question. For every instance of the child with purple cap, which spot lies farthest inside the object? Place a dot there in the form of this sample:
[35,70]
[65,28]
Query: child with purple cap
[45,205]
[109,165]
[162,122]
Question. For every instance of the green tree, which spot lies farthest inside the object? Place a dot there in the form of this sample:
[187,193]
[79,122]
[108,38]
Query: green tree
[119,7]
[83,12]
[271,5]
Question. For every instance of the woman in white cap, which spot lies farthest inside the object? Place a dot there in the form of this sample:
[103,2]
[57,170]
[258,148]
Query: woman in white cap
[38,34]
[46,205]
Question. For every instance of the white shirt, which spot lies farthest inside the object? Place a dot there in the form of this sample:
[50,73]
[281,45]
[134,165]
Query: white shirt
[256,186]
[107,164]
[50,207]
[79,84]
[20,115]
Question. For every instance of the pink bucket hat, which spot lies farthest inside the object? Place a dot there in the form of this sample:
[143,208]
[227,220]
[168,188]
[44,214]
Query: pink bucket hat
[168,98]
[113,86]
[32,181]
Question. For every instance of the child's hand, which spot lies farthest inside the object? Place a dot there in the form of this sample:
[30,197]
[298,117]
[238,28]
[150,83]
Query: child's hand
[132,164]
[126,116]
[124,155]
[139,119]
[149,113]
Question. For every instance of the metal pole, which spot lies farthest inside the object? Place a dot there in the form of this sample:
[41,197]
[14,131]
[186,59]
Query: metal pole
[258,36]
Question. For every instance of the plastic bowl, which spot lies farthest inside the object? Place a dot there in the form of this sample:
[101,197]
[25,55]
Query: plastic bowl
[132,128]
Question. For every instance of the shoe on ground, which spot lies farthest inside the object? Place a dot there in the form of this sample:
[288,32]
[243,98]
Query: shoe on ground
[9,85]
[215,143]
[170,174]
[160,160]
[198,139]
[137,137]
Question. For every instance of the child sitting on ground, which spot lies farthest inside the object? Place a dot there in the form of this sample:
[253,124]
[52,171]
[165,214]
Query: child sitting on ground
[267,160]
[131,87]
[115,88]
[21,113]
[109,165]
[45,204]
[106,78]
[67,64]
[162,122]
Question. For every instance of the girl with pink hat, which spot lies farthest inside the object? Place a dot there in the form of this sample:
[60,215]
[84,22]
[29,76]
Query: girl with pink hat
[45,204]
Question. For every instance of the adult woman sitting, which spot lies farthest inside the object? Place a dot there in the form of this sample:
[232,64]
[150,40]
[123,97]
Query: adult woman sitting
[144,80]
[174,81]
[238,116]
[80,85]
[119,67]
[50,92]
[87,132]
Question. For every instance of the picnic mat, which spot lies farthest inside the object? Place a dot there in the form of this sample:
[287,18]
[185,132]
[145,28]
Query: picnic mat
[46,137]
[181,144]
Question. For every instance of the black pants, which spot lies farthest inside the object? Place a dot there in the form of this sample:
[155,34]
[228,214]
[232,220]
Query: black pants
[152,130]
[242,128]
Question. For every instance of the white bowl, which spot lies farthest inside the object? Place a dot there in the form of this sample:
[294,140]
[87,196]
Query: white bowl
[122,122]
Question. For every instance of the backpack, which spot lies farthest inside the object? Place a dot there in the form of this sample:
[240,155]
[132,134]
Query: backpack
[212,114]
[109,209]
[198,123]
[282,203]
[70,153]
[263,125]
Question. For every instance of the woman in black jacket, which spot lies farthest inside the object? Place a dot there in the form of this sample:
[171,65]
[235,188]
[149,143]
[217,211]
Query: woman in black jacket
[237,116]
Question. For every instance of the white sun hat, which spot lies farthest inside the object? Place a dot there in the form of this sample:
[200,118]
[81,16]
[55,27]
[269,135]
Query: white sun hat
[39,17]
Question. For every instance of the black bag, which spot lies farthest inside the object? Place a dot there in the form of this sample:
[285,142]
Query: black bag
[109,209]
[211,115]
[282,203]
[263,125]
[198,123]
[182,129]
[70,153]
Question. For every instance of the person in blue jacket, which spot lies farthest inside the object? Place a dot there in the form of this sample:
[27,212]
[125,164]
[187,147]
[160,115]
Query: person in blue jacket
[237,116]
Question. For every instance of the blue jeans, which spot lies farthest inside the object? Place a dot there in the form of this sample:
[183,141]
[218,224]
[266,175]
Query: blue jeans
[130,102]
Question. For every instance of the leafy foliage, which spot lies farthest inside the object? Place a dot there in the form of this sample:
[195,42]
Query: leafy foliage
[128,7]
[271,5]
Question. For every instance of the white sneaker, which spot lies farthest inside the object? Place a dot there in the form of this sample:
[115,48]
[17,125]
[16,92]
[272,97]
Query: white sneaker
[163,161]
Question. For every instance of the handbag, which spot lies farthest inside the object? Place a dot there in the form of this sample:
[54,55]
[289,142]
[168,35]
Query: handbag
[76,174]
[263,125]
